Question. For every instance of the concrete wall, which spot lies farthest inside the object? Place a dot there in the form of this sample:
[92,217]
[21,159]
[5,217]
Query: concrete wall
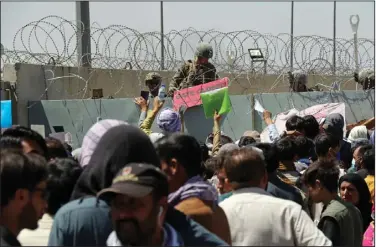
[76,116]
[44,82]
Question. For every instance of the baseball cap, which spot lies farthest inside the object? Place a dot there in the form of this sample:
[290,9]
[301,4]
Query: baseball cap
[136,180]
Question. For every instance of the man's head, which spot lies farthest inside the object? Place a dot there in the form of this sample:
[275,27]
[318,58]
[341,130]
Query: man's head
[138,199]
[180,157]
[246,140]
[153,81]
[363,159]
[55,148]
[270,153]
[23,189]
[10,142]
[321,178]
[203,53]
[286,150]
[334,124]
[295,123]
[298,81]
[304,147]
[311,127]
[32,141]
[245,167]
[358,155]
[217,164]
[327,146]
[63,174]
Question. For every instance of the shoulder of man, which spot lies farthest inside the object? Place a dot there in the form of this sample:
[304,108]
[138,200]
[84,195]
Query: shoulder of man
[186,66]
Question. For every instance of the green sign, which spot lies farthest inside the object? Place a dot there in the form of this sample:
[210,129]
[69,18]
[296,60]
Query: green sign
[216,100]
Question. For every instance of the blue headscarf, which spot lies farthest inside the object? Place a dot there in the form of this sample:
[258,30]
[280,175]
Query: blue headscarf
[169,120]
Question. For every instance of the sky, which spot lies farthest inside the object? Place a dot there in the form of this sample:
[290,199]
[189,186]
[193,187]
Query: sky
[311,18]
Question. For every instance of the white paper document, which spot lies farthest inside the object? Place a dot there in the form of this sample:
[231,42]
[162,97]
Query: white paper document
[258,106]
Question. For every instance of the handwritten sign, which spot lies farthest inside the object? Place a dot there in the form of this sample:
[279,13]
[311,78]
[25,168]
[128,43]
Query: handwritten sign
[190,97]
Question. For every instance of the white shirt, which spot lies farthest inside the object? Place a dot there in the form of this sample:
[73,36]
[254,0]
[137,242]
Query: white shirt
[38,237]
[256,218]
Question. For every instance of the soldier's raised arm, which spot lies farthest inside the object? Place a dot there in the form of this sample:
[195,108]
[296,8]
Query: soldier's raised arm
[179,80]
[176,81]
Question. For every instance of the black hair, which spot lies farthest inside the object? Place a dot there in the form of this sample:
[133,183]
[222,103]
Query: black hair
[10,142]
[211,166]
[295,123]
[205,152]
[184,148]
[246,140]
[68,147]
[63,174]
[244,167]
[311,126]
[27,134]
[55,148]
[323,142]
[286,149]
[270,153]
[20,171]
[326,172]
[369,159]
[304,147]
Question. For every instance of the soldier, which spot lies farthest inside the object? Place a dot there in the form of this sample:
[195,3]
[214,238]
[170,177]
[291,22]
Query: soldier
[153,81]
[298,81]
[366,78]
[200,71]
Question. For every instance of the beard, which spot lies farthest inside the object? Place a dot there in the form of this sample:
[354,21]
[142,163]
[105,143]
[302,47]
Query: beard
[28,217]
[133,232]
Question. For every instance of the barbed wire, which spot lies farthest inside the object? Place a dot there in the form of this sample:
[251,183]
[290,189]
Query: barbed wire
[53,40]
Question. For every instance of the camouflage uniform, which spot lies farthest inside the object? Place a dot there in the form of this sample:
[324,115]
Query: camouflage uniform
[188,75]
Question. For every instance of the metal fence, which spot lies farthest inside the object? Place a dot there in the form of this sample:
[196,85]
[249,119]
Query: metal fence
[53,40]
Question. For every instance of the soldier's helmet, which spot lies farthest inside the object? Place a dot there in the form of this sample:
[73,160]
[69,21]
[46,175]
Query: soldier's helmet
[366,74]
[153,76]
[204,50]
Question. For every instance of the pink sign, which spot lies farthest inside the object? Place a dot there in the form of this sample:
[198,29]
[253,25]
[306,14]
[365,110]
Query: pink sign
[190,97]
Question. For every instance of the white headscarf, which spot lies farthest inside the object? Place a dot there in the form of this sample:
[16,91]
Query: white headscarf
[358,132]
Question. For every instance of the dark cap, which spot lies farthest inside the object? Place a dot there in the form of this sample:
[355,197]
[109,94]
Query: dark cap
[334,124]
[136,180]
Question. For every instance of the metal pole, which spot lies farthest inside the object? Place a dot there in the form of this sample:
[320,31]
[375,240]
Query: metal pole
[334,36]
[354,21]
[83,36]
[292,38]
[162,38]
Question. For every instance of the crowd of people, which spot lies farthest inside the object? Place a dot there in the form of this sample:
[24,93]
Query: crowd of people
[312,185]
[126,185]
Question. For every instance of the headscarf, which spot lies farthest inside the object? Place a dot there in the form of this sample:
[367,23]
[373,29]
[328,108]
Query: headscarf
[364,204]
[92,137]
[358,132]
[168,120]
[118,147]
[154,137]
